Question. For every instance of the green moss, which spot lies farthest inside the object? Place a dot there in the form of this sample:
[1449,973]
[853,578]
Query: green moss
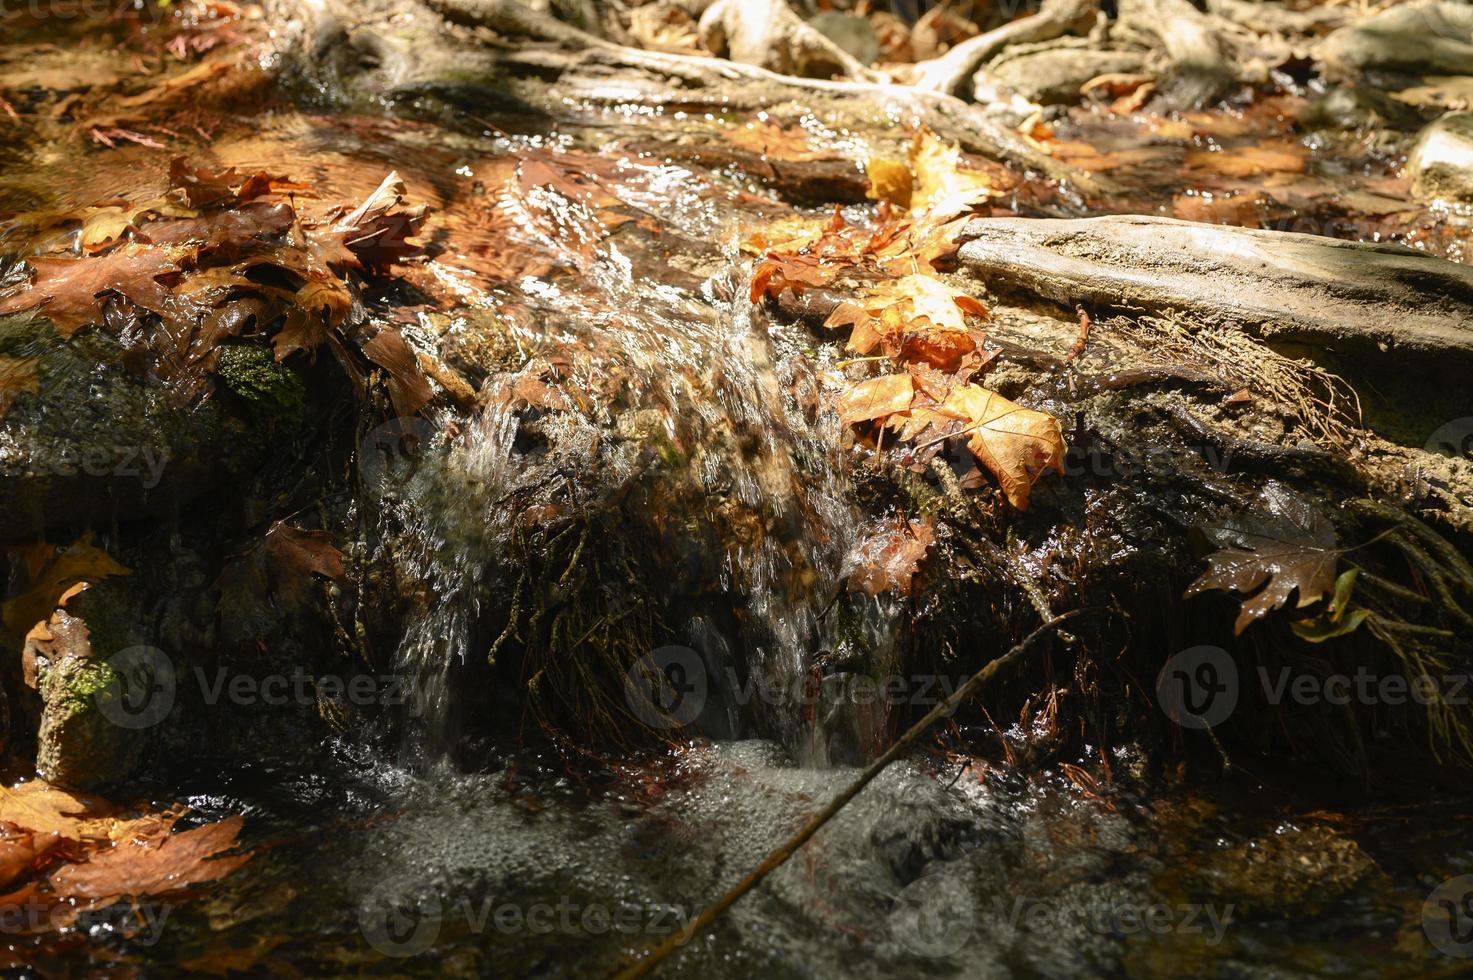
[249,372]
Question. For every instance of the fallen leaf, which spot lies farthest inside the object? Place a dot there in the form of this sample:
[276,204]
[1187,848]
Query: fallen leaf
[136,868]
[876,398]
[18,376]
[48,578]
[889,560]
[889,180]
[1016,444]
[43,808]
[408,387]
[1282,547]
[767,139]
[943,189]
[67,290]
[1268,156]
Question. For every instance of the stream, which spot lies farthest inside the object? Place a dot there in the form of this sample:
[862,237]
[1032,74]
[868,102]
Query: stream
[425,847]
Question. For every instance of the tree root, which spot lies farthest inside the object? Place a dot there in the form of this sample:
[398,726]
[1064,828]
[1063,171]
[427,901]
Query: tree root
[1200,71]
[1345,303]
[950,73]
[767,33]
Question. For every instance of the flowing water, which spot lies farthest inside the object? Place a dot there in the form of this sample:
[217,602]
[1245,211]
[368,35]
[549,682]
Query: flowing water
[628,304]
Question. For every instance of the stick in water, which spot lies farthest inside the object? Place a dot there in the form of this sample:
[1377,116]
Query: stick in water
[657,955]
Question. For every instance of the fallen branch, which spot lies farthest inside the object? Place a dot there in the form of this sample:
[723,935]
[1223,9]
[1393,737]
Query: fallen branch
[1351,301]
[780,855]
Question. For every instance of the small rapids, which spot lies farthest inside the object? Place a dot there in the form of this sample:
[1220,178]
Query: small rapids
[621,369]
[754,486]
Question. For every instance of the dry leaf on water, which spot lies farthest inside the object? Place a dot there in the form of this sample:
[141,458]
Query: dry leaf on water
[134,868]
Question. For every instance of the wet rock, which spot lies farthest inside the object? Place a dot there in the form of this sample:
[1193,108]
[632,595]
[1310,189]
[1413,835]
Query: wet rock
[852,33]
[93,442]
[1055,76]
[1292,871]
[1441,163]
[81,744]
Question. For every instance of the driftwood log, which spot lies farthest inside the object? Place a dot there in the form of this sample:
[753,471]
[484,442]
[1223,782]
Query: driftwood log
[1347,305]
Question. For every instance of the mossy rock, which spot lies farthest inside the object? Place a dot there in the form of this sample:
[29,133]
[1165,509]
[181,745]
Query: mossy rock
[86,740]
[92,442]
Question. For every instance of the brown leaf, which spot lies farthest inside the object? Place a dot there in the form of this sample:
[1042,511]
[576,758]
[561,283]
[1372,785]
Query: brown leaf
[22,850]
[295,556]
[67,289]
[43,808]
[138,868]
[942,188]
[408,387]
[877,398]
[1268,156]
[889,560]
[1016,444]
[17,377]
[1285,546]
[50,573]
[770,140]
[229,231]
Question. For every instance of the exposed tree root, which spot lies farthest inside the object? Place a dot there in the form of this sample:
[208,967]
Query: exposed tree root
[1200,68]
[951,72]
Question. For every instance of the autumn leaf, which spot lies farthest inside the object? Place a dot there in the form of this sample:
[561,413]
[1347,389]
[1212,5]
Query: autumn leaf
[1016,444]
[1281,548]
[889,559]
[49,572]
[137,868]
[889,180]
[1268,156]
[67,290]
[408,387]
[22,850]
[18,377]
[768,139]
[793,272]
[943,189]
[877,398]
[42,808]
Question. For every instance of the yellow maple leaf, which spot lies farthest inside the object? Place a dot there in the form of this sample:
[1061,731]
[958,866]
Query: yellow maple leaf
[942,188]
